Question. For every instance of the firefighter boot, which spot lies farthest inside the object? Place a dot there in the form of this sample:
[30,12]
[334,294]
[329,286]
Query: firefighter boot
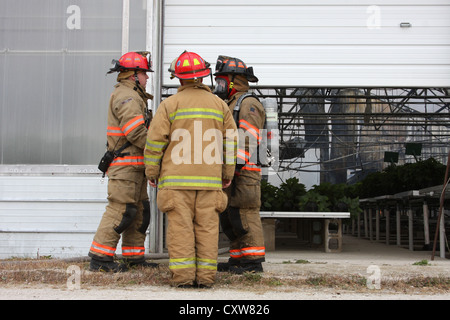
[140,263]
[223,266]
[252,267]
[227,266]
[106,266]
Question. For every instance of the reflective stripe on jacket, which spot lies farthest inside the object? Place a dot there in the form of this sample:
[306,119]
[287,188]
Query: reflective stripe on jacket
[251,121]
[191,142]
[126,122]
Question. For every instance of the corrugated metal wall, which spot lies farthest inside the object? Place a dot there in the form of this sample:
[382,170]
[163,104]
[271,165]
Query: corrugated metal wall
[49,215]
[50,210]
[317,43]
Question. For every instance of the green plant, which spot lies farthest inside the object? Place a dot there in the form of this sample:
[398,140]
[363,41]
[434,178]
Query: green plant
[352,205]
[396,179]
[283,198]
[302,261]
[251,277]
[289,194]
[333,192]
[423,262]
[314,202]
[268,197]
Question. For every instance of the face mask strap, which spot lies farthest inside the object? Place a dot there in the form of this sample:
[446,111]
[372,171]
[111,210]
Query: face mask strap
[231,85]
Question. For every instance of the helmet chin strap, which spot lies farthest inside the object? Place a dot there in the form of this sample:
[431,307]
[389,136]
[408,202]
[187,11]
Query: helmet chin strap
[136,80]
[230,86]
[212,83]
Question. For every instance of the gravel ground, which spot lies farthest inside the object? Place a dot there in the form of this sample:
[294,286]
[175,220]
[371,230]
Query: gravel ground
[359,258]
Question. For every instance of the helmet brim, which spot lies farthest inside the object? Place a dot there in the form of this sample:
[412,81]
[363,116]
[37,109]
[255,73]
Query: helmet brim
[250,78]
[122,69]
[193,75]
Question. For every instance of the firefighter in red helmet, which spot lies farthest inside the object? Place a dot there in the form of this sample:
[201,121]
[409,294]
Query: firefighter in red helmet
[127,213]
[188,175]
[241,221]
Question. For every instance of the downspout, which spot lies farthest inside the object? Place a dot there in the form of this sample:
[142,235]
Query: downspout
[154,45]
[125,25]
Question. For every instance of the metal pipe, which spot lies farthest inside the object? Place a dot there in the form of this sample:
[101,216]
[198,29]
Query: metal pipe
[441,208]
[426,226]
[125,25]
[154,45]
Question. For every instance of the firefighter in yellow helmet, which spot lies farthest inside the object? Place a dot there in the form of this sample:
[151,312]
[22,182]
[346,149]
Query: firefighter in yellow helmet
[128,211]
[186,160]
[241,221]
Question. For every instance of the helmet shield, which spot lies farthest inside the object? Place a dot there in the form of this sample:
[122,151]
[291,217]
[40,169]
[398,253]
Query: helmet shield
[115,66]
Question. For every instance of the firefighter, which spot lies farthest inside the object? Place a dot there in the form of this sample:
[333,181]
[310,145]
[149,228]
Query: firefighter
[184,159]
[128,211]
[241,221]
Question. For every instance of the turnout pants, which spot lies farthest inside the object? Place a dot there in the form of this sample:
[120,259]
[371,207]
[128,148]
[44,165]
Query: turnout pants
[192,234]
[241,221]
[128,215]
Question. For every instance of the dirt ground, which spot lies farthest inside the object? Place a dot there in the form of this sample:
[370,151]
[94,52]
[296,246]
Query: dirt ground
[375,263]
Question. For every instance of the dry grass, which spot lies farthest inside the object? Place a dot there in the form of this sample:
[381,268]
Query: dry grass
[55,273]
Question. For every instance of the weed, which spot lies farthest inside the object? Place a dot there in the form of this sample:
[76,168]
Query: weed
[317,280]
[423,262]
[301,261]
[252,277]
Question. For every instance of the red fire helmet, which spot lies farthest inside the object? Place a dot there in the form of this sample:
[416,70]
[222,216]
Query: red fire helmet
[132,61]
[190,65]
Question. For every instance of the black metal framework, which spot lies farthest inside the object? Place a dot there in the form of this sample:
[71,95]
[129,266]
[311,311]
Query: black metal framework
[344,133]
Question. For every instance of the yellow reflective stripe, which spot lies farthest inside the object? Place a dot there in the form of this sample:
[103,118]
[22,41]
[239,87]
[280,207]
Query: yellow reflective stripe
[155,145]
[190,181]
[182,263]
[190,113]
[229,148]
[229,143]
[152,160]
[209,264]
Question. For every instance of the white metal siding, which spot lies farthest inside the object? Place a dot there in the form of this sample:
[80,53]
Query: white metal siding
[317,43]
[50,215]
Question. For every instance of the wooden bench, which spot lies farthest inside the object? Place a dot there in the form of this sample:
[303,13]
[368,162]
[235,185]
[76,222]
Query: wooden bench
[329,217]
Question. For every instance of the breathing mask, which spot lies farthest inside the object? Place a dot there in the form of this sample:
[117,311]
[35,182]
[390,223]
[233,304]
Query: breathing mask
[223,87]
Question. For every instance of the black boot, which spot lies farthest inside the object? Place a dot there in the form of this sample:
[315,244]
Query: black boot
[223,266]
[106,266]
[226,266]
[142,263]
[247,267]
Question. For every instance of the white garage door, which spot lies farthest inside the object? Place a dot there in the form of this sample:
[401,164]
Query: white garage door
[317,43]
